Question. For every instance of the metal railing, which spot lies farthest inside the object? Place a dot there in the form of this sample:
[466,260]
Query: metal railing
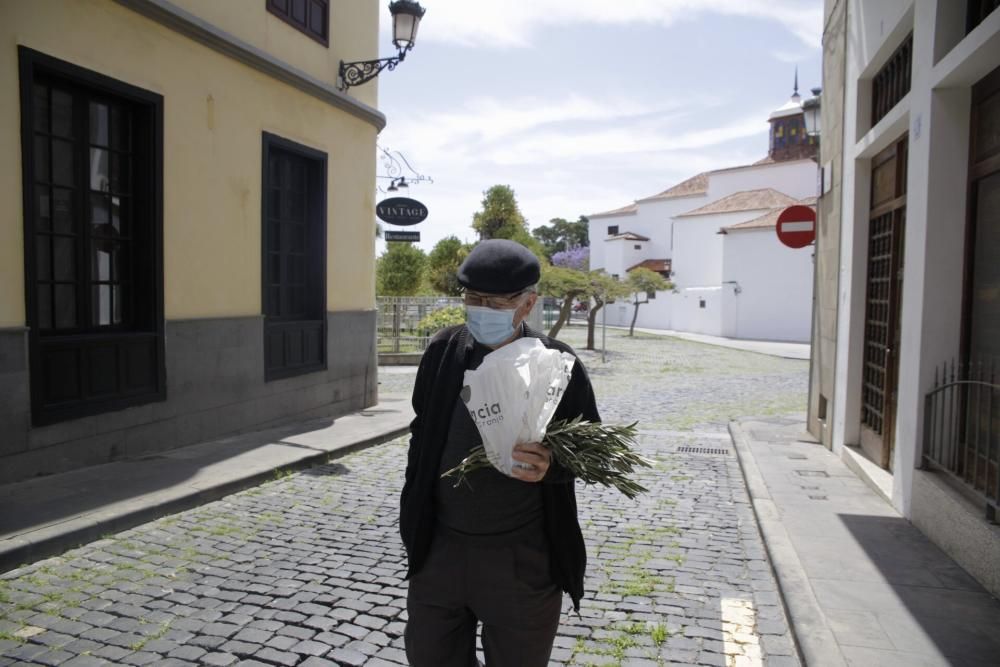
[398,317]
[962,428]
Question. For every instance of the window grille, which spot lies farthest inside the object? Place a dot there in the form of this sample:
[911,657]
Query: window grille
[891,83]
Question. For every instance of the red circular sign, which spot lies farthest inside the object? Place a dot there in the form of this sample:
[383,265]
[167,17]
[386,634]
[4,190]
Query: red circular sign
[797,226]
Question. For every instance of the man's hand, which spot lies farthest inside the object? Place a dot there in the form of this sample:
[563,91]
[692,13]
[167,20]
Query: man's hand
[531,462]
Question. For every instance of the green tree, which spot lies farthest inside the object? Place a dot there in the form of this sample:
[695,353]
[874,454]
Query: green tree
[400,270]
[560,234]
[642,283]
[566,285]
[602,290]
[501,218]
[442,265]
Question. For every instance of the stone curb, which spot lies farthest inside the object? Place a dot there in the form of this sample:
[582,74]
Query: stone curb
[77,531]
[813,639]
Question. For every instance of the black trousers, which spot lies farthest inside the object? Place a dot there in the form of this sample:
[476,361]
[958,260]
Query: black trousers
[502,581]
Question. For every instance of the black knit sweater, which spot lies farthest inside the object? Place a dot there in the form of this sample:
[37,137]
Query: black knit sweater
[439,380]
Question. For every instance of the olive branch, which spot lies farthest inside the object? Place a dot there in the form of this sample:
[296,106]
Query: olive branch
[594,453]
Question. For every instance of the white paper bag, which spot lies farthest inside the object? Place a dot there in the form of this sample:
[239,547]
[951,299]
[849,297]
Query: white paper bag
[513,394]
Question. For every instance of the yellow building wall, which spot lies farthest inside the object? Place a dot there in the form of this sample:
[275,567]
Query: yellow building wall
[215,110]
[353,35]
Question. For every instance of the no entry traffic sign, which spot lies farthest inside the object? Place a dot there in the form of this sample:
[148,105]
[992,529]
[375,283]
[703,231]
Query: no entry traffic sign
[797,226]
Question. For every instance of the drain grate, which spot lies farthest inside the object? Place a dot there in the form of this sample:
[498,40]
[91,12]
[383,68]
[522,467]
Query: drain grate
[714,451]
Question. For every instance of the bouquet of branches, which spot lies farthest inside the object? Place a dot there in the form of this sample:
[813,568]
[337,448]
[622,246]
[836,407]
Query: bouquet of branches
[513,396]
[595,453]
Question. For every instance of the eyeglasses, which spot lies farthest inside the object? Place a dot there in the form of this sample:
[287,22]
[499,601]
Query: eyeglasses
[497,302]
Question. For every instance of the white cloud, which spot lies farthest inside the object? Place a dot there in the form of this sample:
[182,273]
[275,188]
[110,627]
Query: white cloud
[515,23]
[632,140]
[510,132]
[565,158]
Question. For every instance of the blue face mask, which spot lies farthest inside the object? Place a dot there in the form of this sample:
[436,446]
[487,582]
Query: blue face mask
[490,326]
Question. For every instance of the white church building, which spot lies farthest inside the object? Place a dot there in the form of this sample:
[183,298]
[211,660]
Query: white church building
[713,236]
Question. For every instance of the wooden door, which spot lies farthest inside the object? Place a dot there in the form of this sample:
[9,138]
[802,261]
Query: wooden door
[979,446]
[883,297]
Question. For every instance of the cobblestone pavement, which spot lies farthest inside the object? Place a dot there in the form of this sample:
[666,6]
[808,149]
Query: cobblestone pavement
[307,569]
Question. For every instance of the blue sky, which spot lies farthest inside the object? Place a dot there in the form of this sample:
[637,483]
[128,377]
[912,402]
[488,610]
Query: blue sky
[585,106]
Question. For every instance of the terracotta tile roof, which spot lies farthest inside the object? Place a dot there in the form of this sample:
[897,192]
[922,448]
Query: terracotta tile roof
[696,185]
[748,200]
[658,265]
[769,219]
[631,209]
[627,236]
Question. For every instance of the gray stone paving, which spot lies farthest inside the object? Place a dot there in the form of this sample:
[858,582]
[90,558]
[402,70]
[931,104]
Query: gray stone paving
[307,569]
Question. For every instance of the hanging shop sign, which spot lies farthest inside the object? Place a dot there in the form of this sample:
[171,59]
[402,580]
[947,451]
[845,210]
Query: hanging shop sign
[401,211]
[412,237]
[796,226]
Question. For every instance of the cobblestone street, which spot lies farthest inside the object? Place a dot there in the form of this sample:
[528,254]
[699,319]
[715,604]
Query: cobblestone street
[308,569]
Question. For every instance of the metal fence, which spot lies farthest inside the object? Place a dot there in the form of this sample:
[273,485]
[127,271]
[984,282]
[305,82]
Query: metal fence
[962,428]
[398,317]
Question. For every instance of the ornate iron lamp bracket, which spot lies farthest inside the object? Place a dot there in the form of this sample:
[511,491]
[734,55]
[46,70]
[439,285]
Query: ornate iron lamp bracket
[362,71]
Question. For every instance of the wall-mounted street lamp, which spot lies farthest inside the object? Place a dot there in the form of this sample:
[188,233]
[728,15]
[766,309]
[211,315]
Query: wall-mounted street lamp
[394,164]
[406,15]
[811,111]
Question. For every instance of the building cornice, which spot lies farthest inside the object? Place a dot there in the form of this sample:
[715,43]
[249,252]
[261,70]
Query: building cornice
[168,14]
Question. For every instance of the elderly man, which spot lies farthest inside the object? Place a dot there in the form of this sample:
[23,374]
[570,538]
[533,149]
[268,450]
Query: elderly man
[499,550]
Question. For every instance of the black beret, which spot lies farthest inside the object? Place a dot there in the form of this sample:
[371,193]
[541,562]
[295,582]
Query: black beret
[499,266]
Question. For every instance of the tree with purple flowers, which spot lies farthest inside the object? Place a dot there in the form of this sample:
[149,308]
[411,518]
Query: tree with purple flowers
[577,258]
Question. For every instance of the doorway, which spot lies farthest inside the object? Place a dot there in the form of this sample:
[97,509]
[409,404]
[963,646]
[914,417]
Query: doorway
[884,291]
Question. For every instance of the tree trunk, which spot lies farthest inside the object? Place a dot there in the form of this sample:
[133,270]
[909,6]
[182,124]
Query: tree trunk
[591,322]
[564,311]
[635,316]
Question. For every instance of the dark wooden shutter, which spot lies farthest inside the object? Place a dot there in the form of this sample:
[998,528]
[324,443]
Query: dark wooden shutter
[309,16]
[294,259]
[92,185]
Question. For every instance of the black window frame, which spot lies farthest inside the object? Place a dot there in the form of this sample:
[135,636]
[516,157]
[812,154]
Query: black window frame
[285,14]
[978,11]
[145,337]
[612,230]
[319,244]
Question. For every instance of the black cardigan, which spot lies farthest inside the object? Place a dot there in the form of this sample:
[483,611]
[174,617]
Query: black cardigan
[439,380]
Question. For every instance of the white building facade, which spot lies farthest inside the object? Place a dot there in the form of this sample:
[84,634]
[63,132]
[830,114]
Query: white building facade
[691,234]
[915,284]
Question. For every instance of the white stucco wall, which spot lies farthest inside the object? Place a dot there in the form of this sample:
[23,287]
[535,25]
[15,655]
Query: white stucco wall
[775,287]
[597,232]
[689,315]
[698,247]
[934,116]
[621,254]
[657,314]
[796,179]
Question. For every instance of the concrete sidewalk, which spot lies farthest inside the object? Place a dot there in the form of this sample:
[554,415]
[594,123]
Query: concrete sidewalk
[862,586]
[45,516]
[772,348]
